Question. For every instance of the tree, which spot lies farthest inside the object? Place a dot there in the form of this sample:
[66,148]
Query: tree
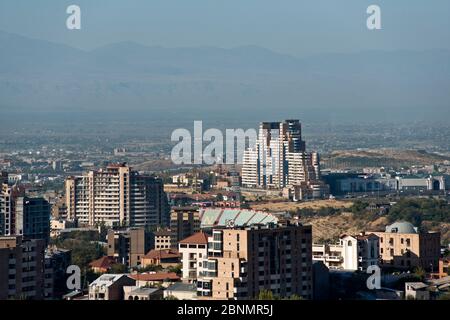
[359,207]
[420,273]
[118,268]
[176,269]
[151,267]
[265,295]
[170,297]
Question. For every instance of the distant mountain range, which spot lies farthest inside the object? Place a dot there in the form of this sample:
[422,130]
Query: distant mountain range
[130,78]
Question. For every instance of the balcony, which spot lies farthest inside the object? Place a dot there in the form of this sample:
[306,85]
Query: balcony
[334,258]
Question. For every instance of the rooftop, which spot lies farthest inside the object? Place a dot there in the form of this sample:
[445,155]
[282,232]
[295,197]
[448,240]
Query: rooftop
[401,227]
[196,238]
[143,291]
[172,276]
[181,286]
[162,254]
[103,262]
[106,280]
[416,285]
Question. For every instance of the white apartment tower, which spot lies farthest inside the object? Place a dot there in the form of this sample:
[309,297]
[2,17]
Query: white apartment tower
[279,158]
[117,196]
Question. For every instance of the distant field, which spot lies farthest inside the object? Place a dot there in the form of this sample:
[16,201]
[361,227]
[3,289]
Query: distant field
[288,205]
[380,157]
[331,227]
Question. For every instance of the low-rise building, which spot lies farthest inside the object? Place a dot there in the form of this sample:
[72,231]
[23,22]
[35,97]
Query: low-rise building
[403,246]
[356,252]
[163,279]
[140,293]
[163,257]
[416,291]
[109,287]
[57,225]
[443,269]
[181,291]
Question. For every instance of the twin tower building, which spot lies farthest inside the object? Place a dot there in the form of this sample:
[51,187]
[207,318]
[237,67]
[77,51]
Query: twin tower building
[279,161]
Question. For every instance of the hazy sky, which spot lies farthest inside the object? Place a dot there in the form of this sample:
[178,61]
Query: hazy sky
[296,27]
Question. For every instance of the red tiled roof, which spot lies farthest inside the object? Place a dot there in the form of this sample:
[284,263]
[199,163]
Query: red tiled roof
[155,276]
[162,254]
[196,238]
[103,262]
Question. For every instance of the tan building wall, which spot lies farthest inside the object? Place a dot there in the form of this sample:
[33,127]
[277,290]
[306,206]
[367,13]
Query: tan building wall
[184,222]
[128,246]
[116,196]
[24,260]
[408,250]
[276,259]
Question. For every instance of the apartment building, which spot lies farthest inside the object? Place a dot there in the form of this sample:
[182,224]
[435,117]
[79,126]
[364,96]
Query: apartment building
[279,158]
[194,255]
[163,239]
[22,268]
[356,252]
[184,222]
[128,246]
[116,196]
[56,263]
[241,262]
[403,246]
[8,196]
[33,218]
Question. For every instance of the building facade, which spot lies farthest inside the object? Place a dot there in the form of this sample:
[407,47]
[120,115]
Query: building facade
[8,196]
[109,287]
[184,222]
[279,158]
[128,246]
[241,262]
[163,239]
[194,255]
[33,218]
[403,246]
[116,196]
[22,268]
[356,252]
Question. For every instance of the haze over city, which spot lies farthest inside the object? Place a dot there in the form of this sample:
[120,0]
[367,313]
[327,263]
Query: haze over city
[255,151]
